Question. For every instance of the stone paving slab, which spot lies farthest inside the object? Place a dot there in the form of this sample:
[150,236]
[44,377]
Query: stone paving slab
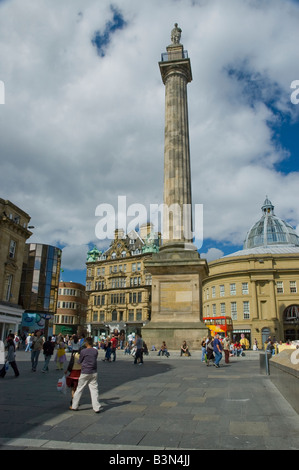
[167,403]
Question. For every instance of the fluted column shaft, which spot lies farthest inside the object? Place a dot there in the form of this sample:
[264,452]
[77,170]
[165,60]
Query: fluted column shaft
[177,217]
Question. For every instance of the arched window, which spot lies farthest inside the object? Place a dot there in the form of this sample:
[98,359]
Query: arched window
[291,314]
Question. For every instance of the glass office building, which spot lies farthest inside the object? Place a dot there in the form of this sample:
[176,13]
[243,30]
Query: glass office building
[39,285]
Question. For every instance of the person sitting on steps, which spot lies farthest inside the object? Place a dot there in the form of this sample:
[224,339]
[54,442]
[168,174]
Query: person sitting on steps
[185,349]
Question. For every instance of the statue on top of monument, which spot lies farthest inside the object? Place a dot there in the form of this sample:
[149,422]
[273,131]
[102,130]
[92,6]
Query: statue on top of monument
[176,34]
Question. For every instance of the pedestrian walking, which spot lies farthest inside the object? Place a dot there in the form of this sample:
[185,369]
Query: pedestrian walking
[89,376]
[226,349]
[11,355]
[48,349]
[74,368]
[139,350]
[75,344]
[114,344]
[203,350]
[36,347]
[210,350]
[107,348]
[217,350]
[28,343]
[60,357]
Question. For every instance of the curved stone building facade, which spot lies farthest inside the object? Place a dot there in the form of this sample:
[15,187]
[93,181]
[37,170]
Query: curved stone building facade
[258,286]
[70,317]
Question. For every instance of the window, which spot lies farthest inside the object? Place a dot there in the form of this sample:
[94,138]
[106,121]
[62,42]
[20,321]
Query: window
[233,310]
[95,316]
[246,312]
[133,267]
[8,286]
[214,310]
[114,315]
[279,286]
[213,291]
[244,288]
[131,315]
[222,291]
[12,249]
[208,294]
[293,287]
[102,317]
[67,319]
[139,314]
[233,289]
[88,285]
[148,280]
[138,266]
[222,308]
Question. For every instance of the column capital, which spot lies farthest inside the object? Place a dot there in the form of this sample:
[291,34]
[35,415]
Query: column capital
[181,66]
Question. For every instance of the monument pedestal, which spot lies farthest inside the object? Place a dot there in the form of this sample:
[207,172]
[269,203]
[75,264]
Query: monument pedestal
[176,299]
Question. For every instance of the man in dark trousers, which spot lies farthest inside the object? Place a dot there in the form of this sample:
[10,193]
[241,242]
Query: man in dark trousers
[48,349]
[88,376]
[139,350]
[217,350]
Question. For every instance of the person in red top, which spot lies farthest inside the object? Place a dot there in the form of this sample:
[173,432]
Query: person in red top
[114,344]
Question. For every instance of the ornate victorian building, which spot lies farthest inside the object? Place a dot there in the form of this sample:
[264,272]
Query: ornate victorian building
[118,285]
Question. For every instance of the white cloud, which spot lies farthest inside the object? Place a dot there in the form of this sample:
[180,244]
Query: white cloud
[78,130]
[212,254]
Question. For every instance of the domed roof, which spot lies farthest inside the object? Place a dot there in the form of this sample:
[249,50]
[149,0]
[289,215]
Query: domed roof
[93,255]
[270,230]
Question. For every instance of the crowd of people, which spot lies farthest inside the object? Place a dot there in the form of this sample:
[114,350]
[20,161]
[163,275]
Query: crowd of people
[56,346]
[213,349]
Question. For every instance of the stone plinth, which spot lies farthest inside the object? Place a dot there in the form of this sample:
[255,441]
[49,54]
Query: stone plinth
[176,299]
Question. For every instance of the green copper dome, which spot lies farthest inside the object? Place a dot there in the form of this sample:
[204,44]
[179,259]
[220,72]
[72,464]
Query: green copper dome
[270,230]
[93,255]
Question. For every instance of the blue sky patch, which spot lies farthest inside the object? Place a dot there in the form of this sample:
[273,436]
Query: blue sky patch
[102,39]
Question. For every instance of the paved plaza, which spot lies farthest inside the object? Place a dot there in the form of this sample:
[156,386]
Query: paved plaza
[166,403]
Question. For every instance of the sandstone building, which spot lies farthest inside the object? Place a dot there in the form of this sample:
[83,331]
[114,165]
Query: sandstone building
[258,286]
[13,235]
[118,285]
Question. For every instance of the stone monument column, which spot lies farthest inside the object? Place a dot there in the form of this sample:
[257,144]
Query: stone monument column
[176,73]
[177,270]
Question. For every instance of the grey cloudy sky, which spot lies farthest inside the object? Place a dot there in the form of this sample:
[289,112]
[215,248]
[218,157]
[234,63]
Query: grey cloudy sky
[83,120]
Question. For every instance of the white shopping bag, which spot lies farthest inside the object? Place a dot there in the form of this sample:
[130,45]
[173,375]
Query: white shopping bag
[61,385]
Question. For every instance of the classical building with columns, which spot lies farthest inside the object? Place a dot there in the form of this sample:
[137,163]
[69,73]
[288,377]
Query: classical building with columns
[258,286]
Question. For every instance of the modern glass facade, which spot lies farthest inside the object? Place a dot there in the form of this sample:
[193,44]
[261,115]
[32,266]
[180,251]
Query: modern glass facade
[40,278]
